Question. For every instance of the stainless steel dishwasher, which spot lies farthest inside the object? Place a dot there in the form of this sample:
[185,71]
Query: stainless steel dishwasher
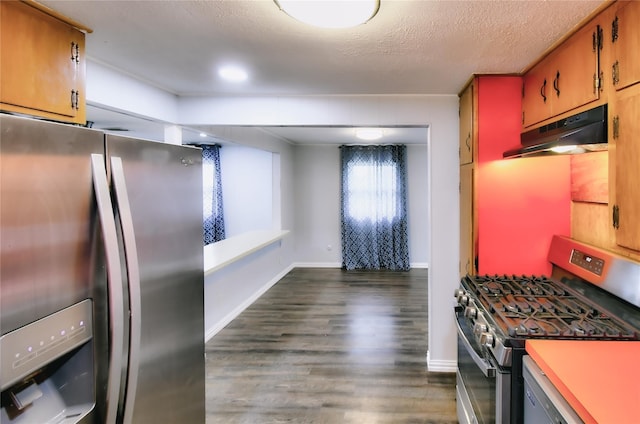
[543,403]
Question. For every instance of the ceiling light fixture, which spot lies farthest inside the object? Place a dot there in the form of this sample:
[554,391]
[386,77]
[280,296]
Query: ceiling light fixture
[233,73]
[330,14]
[369,133]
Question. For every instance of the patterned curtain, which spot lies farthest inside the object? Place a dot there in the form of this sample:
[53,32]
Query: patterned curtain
[374,208]
[212,204]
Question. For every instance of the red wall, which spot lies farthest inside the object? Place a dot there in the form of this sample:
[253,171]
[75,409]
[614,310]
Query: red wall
[522,203]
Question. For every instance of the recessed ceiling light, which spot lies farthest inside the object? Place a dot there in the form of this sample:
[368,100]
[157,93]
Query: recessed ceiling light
[330,14]
[203,134]
[369,133]
[233,73]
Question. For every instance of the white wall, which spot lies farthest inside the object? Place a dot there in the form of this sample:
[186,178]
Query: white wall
[317,238]
[317,211]
[247,189]
[418,199]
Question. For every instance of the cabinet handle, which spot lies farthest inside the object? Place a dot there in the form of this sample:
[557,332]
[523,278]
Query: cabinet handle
[543,91]
[467,142]
[556,84]
[616,127]
[616,217]
[614,30]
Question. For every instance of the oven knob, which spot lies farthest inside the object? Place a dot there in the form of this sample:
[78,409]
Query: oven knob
[487,339]
[479,328]
[461,296]
[471,312]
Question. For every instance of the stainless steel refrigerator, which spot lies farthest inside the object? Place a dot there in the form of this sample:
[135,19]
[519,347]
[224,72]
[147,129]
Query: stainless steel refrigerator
[101,277]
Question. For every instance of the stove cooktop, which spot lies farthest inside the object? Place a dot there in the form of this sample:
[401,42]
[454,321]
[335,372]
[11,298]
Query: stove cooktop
[538,307]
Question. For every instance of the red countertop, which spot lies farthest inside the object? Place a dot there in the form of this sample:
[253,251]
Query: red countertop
[599,379]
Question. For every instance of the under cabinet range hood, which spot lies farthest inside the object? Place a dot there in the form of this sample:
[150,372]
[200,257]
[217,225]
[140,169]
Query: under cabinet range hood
[581,133]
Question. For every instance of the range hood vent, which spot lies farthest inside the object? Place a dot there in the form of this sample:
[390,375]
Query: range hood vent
[581,133]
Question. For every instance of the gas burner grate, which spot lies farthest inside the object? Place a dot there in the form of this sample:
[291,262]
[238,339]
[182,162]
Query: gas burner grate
[536,306]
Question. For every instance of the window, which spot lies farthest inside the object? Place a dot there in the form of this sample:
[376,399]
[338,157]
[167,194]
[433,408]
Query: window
[372,191]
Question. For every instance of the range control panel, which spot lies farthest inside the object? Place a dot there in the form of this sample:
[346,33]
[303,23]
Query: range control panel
[589,262]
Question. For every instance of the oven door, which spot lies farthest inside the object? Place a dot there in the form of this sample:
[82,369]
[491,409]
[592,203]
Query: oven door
[479,381]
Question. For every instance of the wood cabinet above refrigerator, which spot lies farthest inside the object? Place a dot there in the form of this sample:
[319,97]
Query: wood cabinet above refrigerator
[42,63]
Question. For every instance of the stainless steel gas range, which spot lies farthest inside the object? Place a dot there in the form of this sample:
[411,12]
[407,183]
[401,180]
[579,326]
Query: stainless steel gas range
[590,295]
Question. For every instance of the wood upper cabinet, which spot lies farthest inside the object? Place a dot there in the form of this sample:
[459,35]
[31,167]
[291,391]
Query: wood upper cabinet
[42,64]
[625,39]
[566,79]
[625,134]
[536,106]
[467,125]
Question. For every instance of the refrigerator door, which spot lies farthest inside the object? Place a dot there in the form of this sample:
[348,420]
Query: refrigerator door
[163,185]
[52,272]
[46,215]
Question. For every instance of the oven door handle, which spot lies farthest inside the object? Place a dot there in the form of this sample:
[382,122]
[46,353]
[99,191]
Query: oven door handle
[485,366]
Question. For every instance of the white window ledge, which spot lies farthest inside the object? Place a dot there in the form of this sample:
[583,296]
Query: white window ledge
[222,253]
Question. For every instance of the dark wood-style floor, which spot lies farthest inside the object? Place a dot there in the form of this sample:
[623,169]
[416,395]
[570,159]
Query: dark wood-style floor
[330,346]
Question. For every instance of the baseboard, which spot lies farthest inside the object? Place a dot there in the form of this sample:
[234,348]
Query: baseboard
[244,305]
[317,265]
[419,265]
[441,365]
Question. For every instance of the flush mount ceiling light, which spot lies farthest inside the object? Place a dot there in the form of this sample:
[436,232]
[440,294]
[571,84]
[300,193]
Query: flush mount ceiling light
[369,133]
[233,73]
[330,13]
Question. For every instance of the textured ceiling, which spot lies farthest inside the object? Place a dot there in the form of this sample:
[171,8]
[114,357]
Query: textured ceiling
[409,47]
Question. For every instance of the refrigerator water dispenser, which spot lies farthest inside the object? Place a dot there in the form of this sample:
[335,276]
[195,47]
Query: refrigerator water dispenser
[47,373]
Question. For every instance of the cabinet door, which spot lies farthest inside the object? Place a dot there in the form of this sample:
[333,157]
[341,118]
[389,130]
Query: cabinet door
[626,130]
[40,59]
[467,238]
[535,95]
[466,125]
[625,35]
[575,71]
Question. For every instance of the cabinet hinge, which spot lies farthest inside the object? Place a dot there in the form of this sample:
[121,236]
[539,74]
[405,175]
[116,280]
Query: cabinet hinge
[600,37]
[598,83]
[614,30]
[75,52]
[597,39]
[616,73]
[616,127]
[616,217]
[75,99]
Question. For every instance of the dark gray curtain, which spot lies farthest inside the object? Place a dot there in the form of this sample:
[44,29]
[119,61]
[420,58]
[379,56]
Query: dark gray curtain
[374,208]
[212,186]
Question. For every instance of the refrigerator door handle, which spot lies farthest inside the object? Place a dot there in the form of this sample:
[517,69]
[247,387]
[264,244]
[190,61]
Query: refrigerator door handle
[133,272]
[114,282]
